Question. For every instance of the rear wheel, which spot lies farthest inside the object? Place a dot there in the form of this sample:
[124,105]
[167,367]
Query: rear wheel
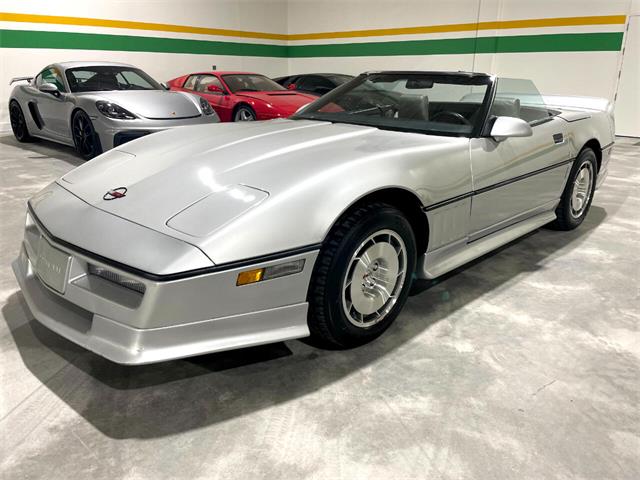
[578,192]
[362,276]
[18,123]
[244,113]
[85,137]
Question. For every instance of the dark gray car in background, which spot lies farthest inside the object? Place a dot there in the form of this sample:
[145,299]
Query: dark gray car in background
[314,83]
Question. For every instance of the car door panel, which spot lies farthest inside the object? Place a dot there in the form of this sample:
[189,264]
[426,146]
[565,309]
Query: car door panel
[517,175]
[35,120]
[50,112]
[221,103]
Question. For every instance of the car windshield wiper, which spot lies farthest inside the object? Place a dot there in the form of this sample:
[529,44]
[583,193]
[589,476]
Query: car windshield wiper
[247,90]
[381,108]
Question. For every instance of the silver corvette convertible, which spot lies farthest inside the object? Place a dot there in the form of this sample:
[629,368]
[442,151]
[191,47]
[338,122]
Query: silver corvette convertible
[95,106]
[187,242]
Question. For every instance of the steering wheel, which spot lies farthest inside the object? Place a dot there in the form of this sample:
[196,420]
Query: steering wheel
[457,117]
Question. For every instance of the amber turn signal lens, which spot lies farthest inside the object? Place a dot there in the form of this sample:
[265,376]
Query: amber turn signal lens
[251,276]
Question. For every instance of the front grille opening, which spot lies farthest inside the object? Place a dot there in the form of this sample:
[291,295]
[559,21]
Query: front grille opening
[124,137]
[116,278]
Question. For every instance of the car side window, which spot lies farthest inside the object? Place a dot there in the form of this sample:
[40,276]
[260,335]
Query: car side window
[519,98]
[206,80]
[191,82]
[51,75]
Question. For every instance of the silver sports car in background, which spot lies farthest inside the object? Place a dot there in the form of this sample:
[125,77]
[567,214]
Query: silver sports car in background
[95,106]
[186,243]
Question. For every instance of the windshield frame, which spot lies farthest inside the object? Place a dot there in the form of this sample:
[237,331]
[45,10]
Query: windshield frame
[472,78]
[144,75]
[224,77]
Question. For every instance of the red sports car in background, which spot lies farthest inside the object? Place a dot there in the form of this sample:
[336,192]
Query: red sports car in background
[242,96]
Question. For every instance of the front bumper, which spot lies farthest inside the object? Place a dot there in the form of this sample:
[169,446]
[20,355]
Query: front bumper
[167,319]
[114,132]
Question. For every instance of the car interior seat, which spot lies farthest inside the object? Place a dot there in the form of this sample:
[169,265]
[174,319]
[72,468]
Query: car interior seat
[506,107]
[413,107]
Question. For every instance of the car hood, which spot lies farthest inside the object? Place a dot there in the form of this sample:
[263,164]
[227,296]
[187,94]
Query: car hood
[215,173]
[287,101]
[154,104]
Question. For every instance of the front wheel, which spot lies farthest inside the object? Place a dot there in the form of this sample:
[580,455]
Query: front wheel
[578,192]
[244,113]
[85,137]
[362,276]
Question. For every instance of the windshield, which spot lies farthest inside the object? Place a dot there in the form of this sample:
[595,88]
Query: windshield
[105,78]
[440,104]
[241,82]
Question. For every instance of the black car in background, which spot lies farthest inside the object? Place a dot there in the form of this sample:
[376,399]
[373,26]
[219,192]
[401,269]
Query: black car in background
[313,83]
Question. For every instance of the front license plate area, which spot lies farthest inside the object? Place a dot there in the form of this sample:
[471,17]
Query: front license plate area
[52,265]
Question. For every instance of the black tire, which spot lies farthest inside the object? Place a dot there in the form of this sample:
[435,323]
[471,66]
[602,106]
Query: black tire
[244,113]
[568,217]
[328,321]
[85,137]
[19,123]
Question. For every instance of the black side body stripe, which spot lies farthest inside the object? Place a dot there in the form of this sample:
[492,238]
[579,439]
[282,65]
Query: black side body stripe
[495,185]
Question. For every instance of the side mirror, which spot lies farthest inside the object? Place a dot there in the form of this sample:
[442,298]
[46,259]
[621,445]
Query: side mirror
[49,88]
[506,127]
[291,86]
[215,89]
[164,85]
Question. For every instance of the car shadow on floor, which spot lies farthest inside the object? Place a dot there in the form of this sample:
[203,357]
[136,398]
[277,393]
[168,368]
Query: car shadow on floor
[40,148]
[164,399]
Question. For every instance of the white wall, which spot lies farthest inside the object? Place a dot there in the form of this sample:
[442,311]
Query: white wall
[628,93]
[590,73]
[580,73]
[248,15]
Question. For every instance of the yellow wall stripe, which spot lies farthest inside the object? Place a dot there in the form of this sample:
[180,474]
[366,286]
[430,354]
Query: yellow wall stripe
[458,27]
[465,27]
[161,27]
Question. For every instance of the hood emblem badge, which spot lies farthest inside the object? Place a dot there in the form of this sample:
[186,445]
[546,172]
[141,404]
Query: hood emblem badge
[115,193]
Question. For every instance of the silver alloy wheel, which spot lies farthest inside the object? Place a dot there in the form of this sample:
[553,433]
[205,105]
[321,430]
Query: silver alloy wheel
[582,189]
[375,276]
[243,115]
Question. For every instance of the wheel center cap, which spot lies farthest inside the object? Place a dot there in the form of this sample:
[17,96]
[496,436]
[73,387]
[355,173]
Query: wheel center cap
[372,275]
[368,281]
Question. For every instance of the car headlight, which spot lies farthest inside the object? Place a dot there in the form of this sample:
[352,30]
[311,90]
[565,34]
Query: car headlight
[206,107]
[113,110]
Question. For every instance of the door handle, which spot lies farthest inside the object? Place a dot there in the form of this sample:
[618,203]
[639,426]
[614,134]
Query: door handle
[558,138]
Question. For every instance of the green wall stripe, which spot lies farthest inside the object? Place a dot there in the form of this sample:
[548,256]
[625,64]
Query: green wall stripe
[130,43]
[564,42]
